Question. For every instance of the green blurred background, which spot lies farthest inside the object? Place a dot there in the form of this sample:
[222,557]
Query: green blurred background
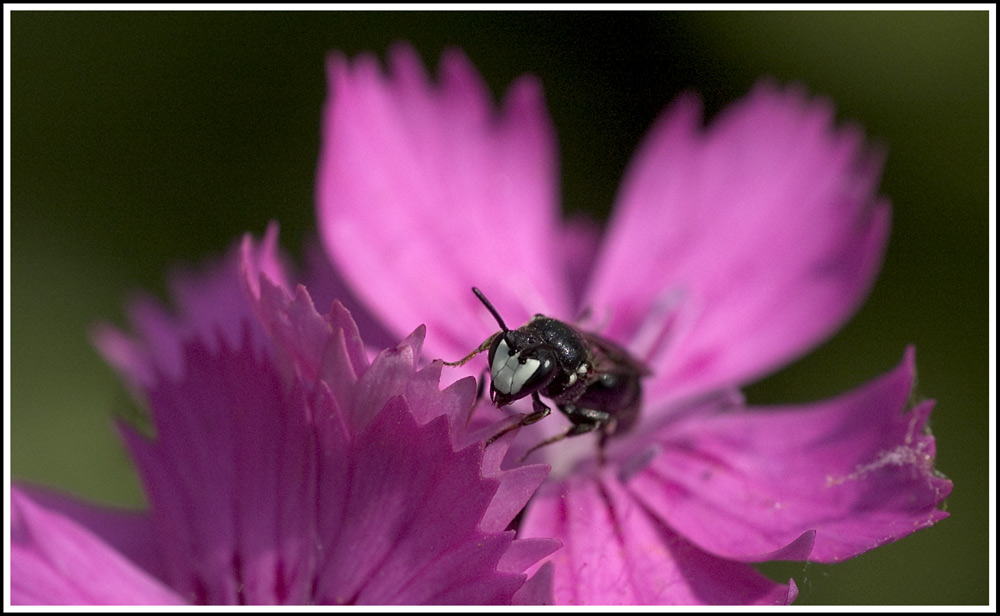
[140,141]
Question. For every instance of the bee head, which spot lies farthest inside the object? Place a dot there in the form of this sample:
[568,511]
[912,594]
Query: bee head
[518,368]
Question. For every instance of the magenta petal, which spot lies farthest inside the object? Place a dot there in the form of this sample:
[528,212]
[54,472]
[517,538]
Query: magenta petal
[210,301]
[326,284]
[153,350]
[349,400]
[737,248]
[312,346]
[429,186]
[403,519]
[616,552]
[329,348]
[393,373]
[128,532]
[858,470]
[210,305]
[230,478]
[516,487]
[538,589]
[56,561]
[580,243]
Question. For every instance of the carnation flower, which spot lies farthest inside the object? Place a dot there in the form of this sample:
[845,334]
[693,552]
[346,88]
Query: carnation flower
[287,465]
[731,251]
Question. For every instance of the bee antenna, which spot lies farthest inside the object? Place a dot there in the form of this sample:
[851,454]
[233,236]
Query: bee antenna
[489,306]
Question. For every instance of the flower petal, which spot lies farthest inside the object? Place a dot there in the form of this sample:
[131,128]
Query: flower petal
[56,561]
[349,396]
[230,478]
[326,284]
[580,243]
[310,346]
[128,532]
[209,301]
[538,589]
[745,244]
[615,552]
[403,512]
[428,186]
[858,470]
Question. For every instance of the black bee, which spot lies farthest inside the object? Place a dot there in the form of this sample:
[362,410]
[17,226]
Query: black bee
[591,380]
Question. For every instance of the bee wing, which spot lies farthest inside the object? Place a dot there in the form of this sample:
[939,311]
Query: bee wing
[610,357]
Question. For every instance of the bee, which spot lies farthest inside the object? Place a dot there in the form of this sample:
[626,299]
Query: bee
[594,382]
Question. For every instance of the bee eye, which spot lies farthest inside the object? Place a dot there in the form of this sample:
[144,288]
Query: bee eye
[540,375]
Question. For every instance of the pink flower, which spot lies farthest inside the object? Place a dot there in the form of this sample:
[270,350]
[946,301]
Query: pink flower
[284,467]
[732,250]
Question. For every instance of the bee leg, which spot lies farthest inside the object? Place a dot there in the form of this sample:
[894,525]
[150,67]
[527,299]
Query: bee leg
[584,420]
[574,430]
[485,345]
[539,409]
[540,412]
[609,429]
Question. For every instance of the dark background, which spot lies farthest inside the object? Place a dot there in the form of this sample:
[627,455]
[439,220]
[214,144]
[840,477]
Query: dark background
[140,141]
